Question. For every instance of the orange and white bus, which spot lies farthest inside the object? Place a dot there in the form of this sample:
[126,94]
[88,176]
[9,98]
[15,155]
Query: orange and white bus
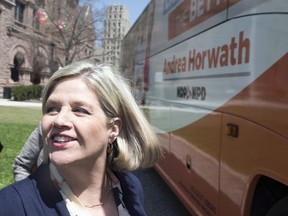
[213,77]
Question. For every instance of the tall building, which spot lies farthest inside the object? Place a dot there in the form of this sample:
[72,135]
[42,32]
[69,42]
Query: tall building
[38,36]
[115,28]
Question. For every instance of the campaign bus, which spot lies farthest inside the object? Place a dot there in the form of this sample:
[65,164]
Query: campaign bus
[212,78]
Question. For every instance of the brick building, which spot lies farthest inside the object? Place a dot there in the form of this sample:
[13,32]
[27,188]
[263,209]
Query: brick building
[36,37]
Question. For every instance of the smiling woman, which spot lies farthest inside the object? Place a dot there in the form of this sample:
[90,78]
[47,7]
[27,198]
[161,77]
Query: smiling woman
[94,134]
[79,125]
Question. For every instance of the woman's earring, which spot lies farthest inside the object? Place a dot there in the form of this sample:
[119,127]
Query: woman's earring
[109,148]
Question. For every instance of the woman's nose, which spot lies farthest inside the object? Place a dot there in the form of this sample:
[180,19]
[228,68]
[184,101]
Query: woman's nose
[62,119]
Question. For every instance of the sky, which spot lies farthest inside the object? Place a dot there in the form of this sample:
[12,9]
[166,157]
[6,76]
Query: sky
[135,8]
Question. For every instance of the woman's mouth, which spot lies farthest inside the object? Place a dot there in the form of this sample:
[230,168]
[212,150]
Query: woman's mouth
[62,139]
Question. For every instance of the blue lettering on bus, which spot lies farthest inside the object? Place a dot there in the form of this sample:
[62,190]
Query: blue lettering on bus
[194,93]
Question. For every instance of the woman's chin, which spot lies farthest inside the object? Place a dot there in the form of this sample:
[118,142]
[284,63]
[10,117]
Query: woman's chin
[59,159]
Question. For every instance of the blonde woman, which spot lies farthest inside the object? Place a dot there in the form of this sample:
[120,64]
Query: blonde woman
[94,134]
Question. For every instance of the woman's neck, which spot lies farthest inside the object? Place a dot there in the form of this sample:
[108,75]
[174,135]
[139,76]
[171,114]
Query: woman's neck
[83,179]
[92,187]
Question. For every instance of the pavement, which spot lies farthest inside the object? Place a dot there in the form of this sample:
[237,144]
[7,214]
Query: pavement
[8,102]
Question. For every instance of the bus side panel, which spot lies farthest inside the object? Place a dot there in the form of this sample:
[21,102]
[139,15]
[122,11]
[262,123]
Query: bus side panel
[191,168]
[248,7]
[245,157]
[265,101]
[261,146]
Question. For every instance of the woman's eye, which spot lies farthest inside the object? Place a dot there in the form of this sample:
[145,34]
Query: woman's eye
[81,111]
[51,110]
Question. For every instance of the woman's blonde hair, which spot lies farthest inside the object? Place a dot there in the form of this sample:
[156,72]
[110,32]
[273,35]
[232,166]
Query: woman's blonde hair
[137,145]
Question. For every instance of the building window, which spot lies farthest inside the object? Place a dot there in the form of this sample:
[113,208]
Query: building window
[35,21]
[19,11]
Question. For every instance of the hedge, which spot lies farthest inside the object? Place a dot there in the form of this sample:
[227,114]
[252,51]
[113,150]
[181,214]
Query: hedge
[26,92]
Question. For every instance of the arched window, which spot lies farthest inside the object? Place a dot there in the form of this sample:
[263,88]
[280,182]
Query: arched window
[18,62]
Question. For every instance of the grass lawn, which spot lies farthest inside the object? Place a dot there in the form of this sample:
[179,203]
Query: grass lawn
[16,124]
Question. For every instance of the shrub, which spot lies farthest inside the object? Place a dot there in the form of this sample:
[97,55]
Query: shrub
[22,92]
